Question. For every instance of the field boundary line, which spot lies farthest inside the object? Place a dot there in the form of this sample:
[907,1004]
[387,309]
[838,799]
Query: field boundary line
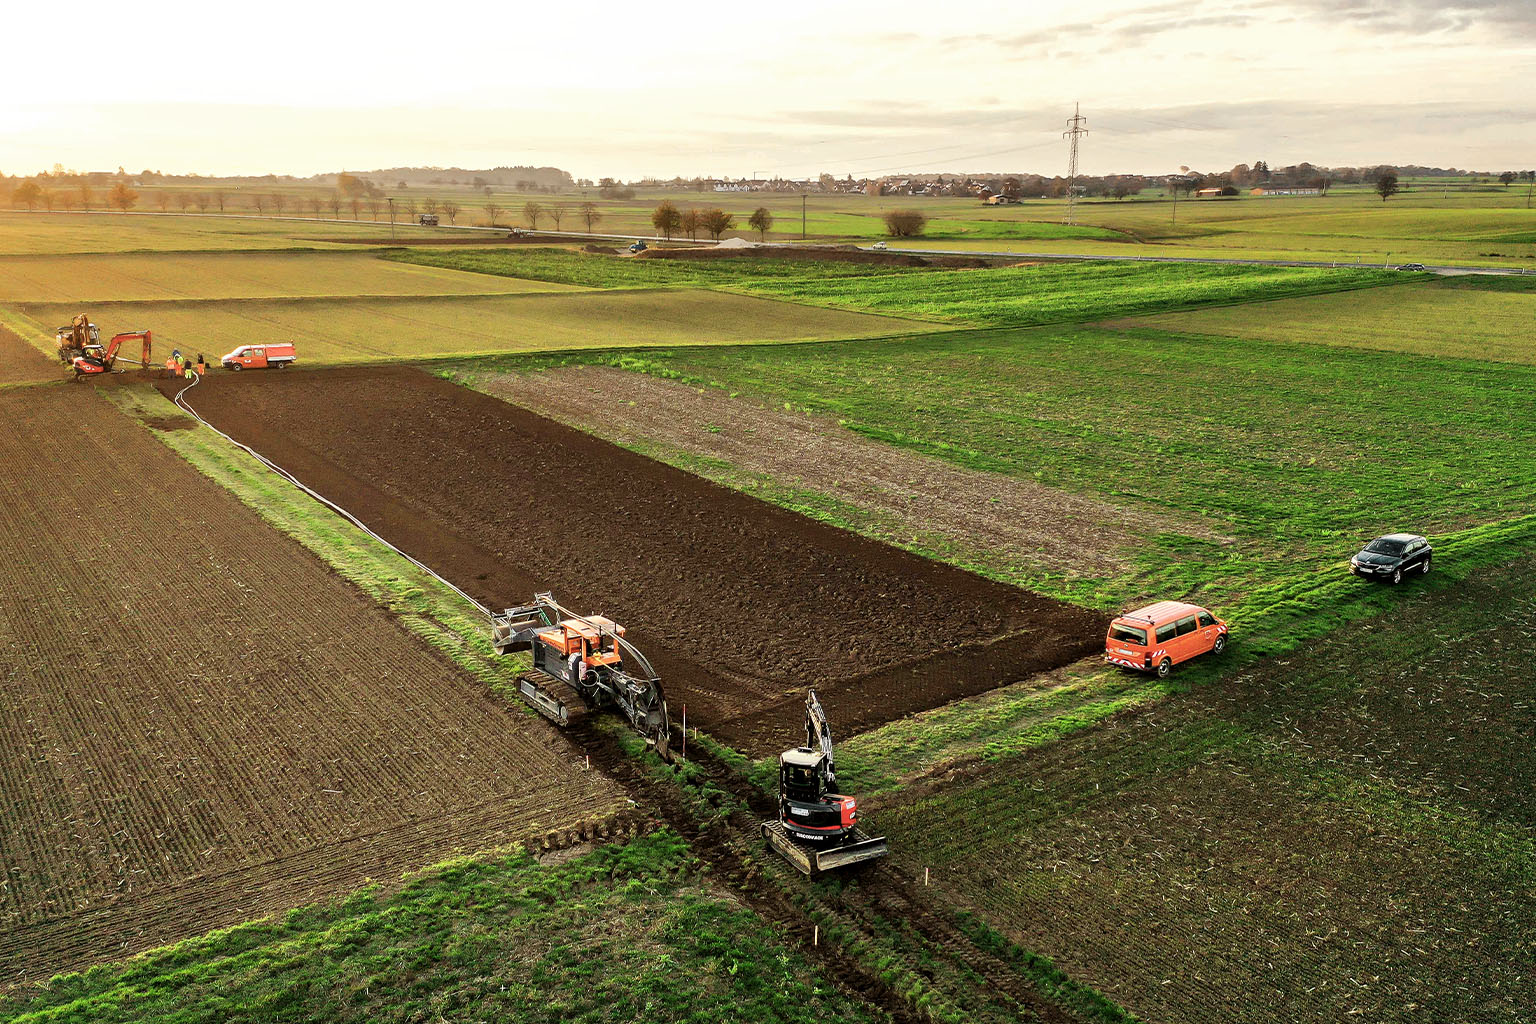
[328,503]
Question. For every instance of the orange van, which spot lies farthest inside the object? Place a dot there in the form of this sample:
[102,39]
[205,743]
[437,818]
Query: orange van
[1159,636]
[258,357]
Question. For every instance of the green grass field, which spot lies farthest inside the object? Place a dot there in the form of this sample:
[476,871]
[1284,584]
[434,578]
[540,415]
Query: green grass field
[368,329]
[588,270]
[1343,832]
[120,278]
[1457,318]
[993,297]
[631,931]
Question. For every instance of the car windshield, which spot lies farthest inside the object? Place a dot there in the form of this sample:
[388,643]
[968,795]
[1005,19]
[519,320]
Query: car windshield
[1382,546]
[1128,634]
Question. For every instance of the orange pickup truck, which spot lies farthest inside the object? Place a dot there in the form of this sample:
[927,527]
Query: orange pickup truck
[259,357]
[1159,636]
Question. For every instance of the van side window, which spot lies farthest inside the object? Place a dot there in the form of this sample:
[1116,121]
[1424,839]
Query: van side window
[1165,633]
[1207,619]
[1186,625]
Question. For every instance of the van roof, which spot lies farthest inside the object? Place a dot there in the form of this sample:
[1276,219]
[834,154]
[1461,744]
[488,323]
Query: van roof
[1162,610]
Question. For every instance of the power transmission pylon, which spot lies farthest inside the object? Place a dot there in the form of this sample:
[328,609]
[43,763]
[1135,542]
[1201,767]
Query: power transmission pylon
[1075,131]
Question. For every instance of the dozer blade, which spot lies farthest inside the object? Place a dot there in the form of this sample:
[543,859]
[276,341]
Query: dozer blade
[814,862]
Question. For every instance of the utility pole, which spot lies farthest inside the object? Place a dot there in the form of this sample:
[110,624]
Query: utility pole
[802,216]
[391,201]
[1074,132]
[1175,190]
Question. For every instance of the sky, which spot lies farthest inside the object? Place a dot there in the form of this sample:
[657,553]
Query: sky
[736,90]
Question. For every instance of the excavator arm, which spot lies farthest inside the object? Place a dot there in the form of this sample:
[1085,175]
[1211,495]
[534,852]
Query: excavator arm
[818,733]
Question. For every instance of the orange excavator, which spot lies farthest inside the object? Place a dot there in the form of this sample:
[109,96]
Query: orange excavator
[76,337]
[95,359]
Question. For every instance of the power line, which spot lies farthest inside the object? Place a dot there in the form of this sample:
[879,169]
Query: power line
[1075,131]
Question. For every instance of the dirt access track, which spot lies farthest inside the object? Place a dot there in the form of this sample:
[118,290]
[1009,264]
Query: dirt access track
[200,723]
[739,604]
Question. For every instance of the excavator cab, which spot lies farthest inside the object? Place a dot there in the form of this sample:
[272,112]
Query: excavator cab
[808,811]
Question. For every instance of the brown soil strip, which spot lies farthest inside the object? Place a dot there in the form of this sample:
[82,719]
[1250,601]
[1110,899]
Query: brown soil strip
[740,604]
[1013,521]
[814,253]
[201,723]
[21,363]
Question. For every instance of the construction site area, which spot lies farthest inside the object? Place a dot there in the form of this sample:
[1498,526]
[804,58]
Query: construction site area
[543,671]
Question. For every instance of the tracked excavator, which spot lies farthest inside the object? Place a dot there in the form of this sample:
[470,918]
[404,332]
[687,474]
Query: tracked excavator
[95,359]
[586,654]
[817,829]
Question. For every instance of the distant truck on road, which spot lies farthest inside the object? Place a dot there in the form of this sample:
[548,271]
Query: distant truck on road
[260,357]
[427,220]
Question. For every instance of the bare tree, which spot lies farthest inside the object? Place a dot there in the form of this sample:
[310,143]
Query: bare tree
[451,209]
[531,213]
[315,206]
[64,200]
[279,201]
[258,201]
[665,219]
[202,200]
[760,221]
[557,213]
[335,204]
[1386,186]
[717,222]
[50,199]
[85,196]
[493,211]
[590,215]
[691,221]
[905,223]
[185,201]
[162,199]
[429,205]
[357,207]
[373,208]
[219,198]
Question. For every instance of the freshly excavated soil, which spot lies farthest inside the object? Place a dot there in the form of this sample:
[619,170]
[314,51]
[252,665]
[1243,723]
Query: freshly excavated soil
[21,363]
[1018,521]
[201,723]
[814,253]
[739,604]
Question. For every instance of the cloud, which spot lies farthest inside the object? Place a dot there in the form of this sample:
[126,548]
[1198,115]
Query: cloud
[1422,17]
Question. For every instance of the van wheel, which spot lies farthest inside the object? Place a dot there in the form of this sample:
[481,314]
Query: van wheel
[1220,644]
[1397,577]
[1164,668]
[236,367]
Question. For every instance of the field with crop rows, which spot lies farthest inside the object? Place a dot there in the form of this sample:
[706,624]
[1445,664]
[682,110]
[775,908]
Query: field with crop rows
[60,233]
[1342,832]
[203,724]
[627,932]
[1455,318]
[121,278]
[406,327]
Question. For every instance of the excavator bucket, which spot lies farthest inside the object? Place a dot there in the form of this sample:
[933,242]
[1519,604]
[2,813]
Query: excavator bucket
[514,629]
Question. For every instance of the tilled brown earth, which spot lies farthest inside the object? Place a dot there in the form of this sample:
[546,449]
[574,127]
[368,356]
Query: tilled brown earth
[740,604]
[20,363]
[1009,521]
[200,723]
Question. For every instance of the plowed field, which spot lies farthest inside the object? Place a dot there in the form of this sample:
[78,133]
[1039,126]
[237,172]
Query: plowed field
[739,603]
[199,723]
[20,363]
